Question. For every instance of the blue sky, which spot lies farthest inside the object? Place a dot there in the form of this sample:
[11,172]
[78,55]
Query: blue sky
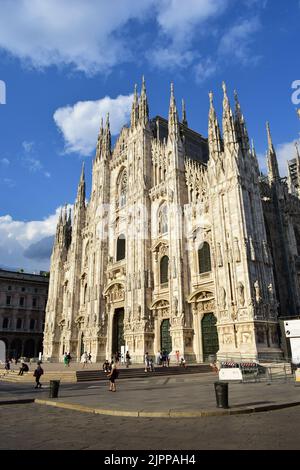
[66,63]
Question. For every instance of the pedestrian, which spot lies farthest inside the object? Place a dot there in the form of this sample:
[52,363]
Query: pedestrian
[113,375]
[84,359]
[90,358]
[127,359]
[182,362]
[24,368]
[37,374]
[146,360]
[158,356]
[7,365]
[69,357]
[214,367]
[106,367]
[151,365]
[168,359]
[177,357]
[66,359]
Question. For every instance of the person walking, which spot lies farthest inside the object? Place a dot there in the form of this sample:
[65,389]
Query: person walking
[37,374]
[146,360]
[127,359]
[66,359]
[84,359]
[69,357]
[90,358]
[177,357]
[113,375]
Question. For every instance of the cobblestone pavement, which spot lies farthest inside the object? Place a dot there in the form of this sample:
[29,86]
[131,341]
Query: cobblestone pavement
[37,427]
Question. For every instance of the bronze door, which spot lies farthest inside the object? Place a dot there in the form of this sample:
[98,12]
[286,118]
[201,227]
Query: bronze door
[210,340]
[118,331]
[165,337]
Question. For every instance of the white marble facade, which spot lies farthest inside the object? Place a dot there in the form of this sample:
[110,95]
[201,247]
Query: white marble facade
[172,240]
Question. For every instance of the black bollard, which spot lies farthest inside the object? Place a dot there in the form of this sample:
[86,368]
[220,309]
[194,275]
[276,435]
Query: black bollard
[221,389]
[54,387]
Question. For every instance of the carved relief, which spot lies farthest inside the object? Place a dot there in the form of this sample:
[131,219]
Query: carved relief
[236,250]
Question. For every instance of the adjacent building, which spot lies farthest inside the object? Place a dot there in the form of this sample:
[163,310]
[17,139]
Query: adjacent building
[183,245]
[23,299]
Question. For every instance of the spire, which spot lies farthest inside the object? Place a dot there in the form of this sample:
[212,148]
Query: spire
[135,108]
[80,200]
[106,143]
[100,141]
[298,166]
[173,125]
[273,171]
[229,133]
[143,105]
[240,126]
[184,120]
[214,133]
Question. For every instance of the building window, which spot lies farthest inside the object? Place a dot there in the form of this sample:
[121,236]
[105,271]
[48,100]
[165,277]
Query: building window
[9,288]
[5,323]
[22,301]
[204,259]
[35,290]
[32,324]
[8,300]
[23,289]
[121,248]
[164,270]
[163,227]
[34,302]
[19,323]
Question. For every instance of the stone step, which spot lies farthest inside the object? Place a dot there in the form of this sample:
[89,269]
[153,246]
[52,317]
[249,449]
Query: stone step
[92,375]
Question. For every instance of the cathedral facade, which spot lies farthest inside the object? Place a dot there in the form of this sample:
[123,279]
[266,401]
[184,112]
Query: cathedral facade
[183,246]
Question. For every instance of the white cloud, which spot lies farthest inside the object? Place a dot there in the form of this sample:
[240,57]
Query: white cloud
[30,161]
[236,41]
[84,34]
[5,161]
[169,58]
[17,236]
[80,123]
[205,70]
[178,19]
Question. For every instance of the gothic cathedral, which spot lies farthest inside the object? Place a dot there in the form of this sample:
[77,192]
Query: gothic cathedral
[183,246]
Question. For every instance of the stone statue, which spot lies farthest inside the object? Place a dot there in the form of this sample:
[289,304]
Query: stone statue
[219,255]
[271,293]
[223,298]
[257,292]
[236,250]
[241,294]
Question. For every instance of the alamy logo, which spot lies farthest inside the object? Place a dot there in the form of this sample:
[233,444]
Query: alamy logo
[2,92]
[296,94]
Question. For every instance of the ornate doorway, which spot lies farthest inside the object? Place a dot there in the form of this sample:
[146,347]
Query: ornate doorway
[210,339]
[165,337]
[118,330]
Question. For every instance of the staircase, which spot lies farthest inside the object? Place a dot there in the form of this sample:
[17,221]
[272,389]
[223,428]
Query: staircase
[139,373]
[64,376]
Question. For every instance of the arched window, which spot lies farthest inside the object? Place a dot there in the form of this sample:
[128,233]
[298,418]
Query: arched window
[122,189]
[85,294]
[121,247]
[164,270]
[204,259]
[5,323]
[163,226]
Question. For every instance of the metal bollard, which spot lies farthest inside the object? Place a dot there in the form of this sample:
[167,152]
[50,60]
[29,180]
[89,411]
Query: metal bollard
[54,387]
[221,390]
